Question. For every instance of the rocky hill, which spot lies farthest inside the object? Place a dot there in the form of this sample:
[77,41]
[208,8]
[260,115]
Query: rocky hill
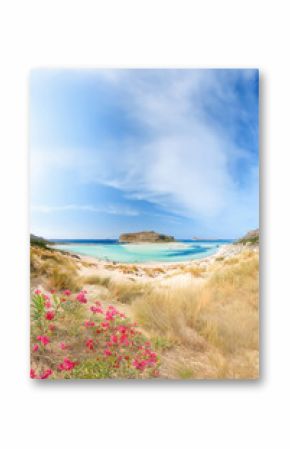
[251,238]
[38,241]
[145,237]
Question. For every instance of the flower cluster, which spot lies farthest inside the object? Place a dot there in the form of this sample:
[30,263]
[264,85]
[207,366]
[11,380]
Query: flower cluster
[67,365]
[107,343]
[113,337]
[44,375]
[81,297]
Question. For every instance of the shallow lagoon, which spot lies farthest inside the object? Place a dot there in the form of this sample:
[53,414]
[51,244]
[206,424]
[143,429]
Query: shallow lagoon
[111,250]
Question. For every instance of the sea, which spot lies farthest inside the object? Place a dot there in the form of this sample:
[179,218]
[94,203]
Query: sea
[113,251]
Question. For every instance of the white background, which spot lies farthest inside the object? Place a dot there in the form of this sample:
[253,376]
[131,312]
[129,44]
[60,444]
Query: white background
[134,33]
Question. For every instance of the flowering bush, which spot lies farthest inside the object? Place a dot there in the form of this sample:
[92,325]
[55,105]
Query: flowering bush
[74,339]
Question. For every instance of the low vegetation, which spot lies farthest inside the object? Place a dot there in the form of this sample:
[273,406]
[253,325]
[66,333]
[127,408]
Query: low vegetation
[38,241]
[74,337]
[57,271]
[251,238]
[219,318]
[203,322]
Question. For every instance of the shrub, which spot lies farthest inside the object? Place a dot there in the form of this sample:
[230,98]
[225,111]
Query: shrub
[106,344]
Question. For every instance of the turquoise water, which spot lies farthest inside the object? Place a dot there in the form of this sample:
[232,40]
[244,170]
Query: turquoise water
[111,250]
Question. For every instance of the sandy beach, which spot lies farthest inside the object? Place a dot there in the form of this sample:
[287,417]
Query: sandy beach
[90,265]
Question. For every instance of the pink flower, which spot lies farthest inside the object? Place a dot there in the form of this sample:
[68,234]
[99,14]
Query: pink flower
[37,292]
[81,298]
[50,315]
[47,304]
[35,347]
[33,374]
[114,339]
[153,356]
[110,313]
[90,344]
[66,365]
[67,292]
[124,340]
[107,352]
[105,324]
[46,297]
[46,374]
[89,323]
[63,345]
[43,339]
[96,309]
[52,291]
[139,365]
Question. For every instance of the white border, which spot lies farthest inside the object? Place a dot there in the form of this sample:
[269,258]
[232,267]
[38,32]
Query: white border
[156,34]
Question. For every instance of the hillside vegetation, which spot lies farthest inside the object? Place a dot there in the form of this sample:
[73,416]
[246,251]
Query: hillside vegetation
[251,238]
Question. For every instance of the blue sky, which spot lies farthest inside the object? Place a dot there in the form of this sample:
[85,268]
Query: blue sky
[175,151]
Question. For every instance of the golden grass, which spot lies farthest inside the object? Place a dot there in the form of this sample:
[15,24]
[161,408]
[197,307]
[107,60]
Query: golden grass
[63,278]
[128,269]
[127,290]
[229,315]
[231,261]
[169,312]
[95,279]
[153,271]
[58,271]
[220,317]
[195,271]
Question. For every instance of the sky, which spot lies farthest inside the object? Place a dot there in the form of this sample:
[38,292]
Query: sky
[127,150]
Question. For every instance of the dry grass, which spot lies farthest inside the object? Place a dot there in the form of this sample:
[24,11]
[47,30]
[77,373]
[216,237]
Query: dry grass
[96,279]
[169,312]
[154,271]
[57,270]
[231,261]
[127,290]
[221,317]
[194,270]
[128,269]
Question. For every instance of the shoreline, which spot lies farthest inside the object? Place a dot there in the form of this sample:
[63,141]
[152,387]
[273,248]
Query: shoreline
[221,250]
[224,251]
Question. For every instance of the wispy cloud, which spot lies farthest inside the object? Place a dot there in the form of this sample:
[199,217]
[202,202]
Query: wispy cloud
[187,162]
[109,209]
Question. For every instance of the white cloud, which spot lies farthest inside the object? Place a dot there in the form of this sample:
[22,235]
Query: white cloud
[109,209]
